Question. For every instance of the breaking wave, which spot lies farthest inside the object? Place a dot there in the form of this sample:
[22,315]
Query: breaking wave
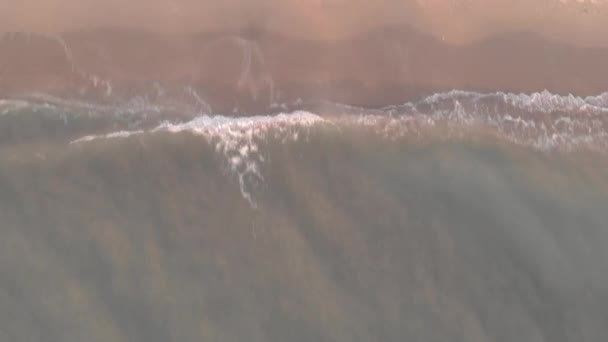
[542,121]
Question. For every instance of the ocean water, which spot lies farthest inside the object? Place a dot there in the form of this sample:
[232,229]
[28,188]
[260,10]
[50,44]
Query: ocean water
[462,216]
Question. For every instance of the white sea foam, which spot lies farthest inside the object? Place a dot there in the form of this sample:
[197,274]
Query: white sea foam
[528,119]
[8,106]
[544,101]
[237,139]
[113,135]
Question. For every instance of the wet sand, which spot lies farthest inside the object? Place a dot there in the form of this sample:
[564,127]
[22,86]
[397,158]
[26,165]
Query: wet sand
[250,70]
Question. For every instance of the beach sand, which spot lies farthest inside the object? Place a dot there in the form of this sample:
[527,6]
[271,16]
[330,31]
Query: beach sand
[253,69]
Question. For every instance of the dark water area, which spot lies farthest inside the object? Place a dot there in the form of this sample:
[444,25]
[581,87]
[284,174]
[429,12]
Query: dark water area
[460,217]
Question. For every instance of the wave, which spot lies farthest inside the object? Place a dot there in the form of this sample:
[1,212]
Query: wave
[541,121]
[235,138]
[544,101]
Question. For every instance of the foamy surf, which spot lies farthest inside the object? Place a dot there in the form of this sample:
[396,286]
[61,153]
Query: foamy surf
[542,121]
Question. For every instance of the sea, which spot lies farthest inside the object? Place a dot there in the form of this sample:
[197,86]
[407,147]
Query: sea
[458,216]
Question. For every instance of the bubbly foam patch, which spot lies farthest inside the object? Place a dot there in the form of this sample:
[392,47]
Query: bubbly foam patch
[545,101]
[541,120]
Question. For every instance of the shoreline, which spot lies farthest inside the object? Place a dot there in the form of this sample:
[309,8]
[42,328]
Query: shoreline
[254,70]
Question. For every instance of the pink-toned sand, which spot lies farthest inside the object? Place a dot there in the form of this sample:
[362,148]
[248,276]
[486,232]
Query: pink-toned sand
[250,54]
